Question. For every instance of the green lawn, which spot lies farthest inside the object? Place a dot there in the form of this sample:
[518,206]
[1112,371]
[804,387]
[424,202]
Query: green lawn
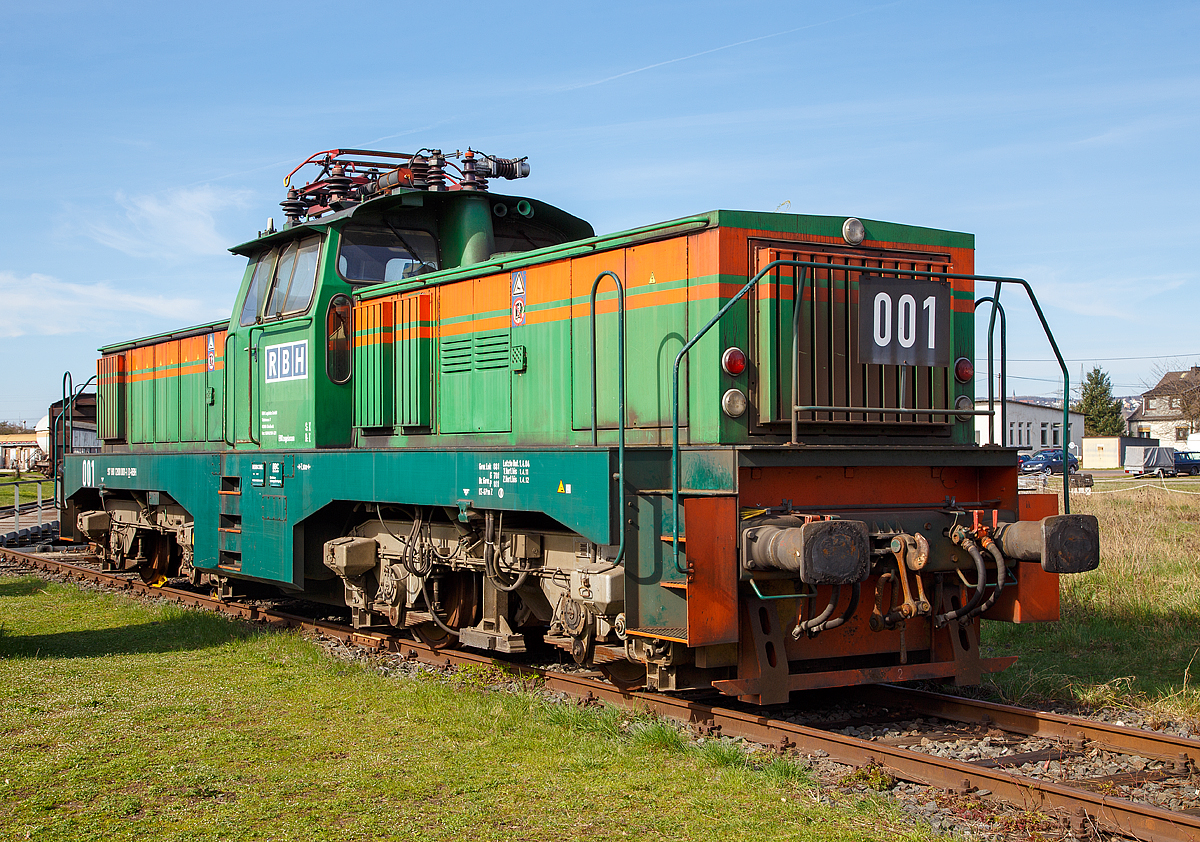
[120,721]
[28,492]
[1130,631]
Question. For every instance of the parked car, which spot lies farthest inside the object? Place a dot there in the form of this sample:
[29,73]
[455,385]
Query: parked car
[1187,463]
[1049,462]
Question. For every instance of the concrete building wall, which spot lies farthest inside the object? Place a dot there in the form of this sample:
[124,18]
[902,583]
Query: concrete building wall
[1031,427]
[1101,452]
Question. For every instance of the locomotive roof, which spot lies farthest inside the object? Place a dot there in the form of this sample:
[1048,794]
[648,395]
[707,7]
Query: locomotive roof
[781,223]
[761,221]
[544,212]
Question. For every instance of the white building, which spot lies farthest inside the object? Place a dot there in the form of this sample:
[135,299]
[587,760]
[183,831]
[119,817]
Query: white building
[1030,426]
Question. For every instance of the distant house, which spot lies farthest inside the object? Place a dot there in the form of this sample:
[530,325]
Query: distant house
[1165,411]
[1030,426]
[19,451]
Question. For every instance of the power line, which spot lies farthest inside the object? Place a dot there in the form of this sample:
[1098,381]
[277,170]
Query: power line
[1059,380]
[1104,359]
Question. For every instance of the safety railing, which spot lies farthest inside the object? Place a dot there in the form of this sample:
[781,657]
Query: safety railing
[620,395]
[66,415]
[799,288]
[994,300]
[16,506]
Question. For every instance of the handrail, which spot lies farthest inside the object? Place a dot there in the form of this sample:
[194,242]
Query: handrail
[996,279]
[227,406]
[1003,353]
[675,394]
[620,396]
[797,296]
[255,418]
[996,308]
[70,395]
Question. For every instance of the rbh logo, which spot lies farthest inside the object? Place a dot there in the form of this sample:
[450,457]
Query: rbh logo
[286,362]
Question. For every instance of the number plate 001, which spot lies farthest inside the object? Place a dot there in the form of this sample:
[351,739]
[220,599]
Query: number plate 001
[903,322]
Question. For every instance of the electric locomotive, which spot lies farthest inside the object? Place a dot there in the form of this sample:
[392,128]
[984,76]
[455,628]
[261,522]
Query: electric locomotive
[732,450]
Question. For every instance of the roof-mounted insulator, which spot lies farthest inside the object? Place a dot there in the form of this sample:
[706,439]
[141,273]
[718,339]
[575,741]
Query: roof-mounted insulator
[338,183]
[471,178]
[419,166]
[435,177]
[293,208]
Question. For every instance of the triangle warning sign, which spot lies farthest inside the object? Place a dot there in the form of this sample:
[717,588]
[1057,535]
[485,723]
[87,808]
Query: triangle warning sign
[561,490]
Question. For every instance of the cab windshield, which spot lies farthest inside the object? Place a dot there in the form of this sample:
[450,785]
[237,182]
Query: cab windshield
[371,254]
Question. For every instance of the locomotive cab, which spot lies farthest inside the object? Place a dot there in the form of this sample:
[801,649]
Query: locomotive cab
[289,350]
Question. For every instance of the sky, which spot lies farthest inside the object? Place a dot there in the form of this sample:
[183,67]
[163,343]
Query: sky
[141,140]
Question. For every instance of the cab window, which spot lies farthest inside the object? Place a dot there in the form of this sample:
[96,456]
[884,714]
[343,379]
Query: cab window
[295,279]
[381,253]
[263,267]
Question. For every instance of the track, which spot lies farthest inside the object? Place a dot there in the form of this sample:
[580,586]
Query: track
[1089,803]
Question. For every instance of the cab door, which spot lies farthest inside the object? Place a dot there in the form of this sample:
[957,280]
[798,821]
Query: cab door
[241,424]
[282,348]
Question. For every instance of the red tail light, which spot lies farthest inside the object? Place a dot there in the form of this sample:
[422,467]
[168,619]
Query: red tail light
[733,361]
[964,370]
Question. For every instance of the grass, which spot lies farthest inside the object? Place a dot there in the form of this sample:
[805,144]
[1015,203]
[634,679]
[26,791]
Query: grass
[28,493]
[1130,631]
[121,721]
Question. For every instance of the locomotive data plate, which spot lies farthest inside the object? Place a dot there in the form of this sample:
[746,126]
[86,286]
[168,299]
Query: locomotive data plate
[903,322]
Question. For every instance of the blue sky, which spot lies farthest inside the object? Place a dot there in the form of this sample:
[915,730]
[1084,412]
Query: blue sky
[141,140]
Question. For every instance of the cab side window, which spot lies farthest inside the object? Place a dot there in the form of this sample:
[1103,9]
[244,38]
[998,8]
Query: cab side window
[257,293]
[295,279]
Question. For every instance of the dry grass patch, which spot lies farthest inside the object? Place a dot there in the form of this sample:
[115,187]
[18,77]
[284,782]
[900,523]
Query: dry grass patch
[1130,631]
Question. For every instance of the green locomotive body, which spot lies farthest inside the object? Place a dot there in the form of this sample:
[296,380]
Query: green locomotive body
[465,414]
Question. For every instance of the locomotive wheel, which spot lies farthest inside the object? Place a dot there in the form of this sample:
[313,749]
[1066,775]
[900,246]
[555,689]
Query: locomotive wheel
[458,595]
[434,636]
[624,675]
[155,570]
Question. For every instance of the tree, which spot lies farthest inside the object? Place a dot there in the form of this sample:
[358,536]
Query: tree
[1101,410]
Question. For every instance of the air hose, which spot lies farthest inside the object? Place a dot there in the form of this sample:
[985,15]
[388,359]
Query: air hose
[964,541]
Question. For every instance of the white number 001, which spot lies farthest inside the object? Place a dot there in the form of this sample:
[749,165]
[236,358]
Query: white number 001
[905,321]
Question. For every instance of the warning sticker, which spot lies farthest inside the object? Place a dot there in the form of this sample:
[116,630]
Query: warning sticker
[518,298]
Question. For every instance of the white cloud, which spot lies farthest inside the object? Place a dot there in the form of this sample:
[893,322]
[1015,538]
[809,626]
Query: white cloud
[178,223]
[42,305]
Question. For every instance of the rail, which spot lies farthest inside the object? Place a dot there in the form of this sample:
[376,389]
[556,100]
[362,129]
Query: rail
[620,395]
[981,778]
[999,281]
